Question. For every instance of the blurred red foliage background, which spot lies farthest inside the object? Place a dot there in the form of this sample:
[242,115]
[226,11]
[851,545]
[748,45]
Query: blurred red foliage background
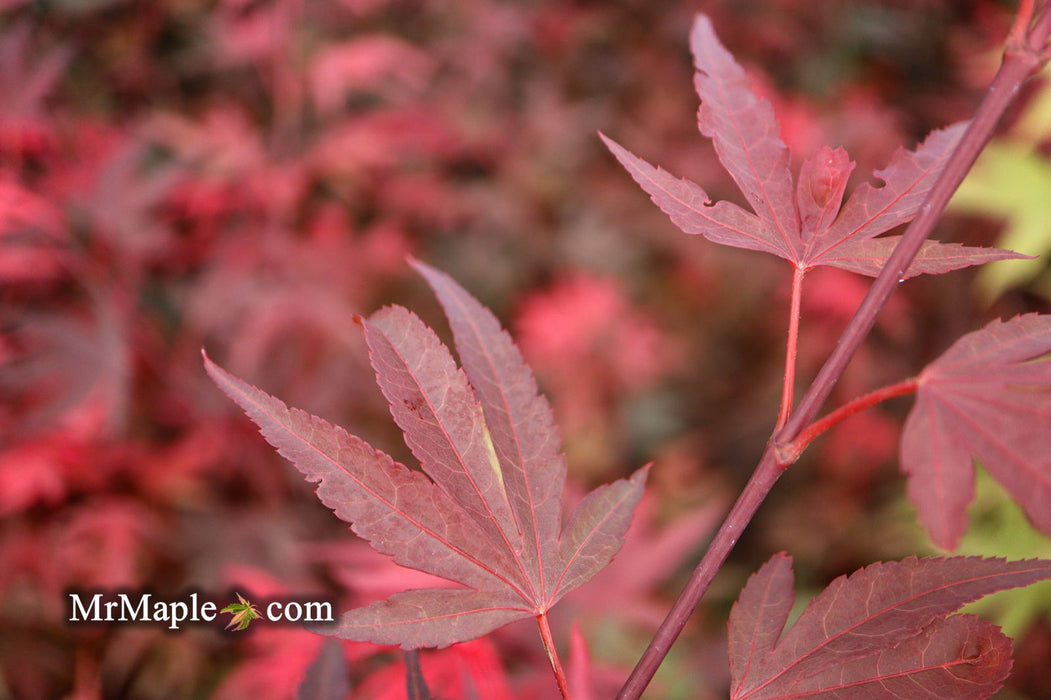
[245,175]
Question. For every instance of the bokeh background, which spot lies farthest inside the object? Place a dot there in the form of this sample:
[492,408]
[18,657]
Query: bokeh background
[245,176]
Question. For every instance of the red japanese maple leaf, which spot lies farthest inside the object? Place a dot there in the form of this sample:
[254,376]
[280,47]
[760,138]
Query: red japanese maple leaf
[802,222]
[485,512]
[987,397]
[881,632]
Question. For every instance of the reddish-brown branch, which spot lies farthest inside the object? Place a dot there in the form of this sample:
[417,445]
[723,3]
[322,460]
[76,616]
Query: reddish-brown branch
[763,479]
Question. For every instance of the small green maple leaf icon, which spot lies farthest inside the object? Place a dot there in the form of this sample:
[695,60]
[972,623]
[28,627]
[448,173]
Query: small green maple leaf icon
[243,613]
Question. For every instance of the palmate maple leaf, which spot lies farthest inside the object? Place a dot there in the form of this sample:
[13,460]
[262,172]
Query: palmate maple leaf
[801,222]
[242,613]
[987,397]
[882,632]
[485,512]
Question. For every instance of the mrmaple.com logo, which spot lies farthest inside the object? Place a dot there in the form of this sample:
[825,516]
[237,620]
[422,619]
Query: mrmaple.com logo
[97,607]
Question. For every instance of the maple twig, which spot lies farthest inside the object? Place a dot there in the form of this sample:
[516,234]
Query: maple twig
[552,655]
[790,453]
[755,491]
[1020,63]
[791,349]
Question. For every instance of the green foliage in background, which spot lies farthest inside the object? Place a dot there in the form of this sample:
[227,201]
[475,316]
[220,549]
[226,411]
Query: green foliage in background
[999,529]
[1011,182]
